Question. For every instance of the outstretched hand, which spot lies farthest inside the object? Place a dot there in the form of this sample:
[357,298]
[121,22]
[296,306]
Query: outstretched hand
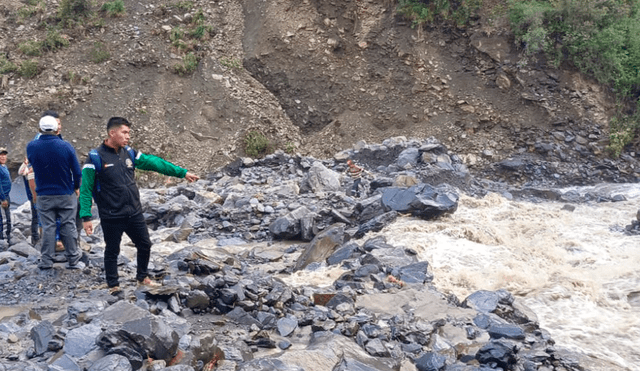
[88,227]
[191,177]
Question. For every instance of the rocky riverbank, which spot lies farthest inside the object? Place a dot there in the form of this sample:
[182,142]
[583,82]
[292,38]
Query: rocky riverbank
[267,265]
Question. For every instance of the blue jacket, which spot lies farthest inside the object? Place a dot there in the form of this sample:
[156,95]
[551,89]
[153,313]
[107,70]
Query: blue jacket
[5,182]
[55,166]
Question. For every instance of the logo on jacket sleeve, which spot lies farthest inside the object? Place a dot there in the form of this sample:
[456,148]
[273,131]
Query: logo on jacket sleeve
[129,163]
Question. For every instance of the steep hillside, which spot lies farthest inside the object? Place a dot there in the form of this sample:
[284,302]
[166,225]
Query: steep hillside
[315,75]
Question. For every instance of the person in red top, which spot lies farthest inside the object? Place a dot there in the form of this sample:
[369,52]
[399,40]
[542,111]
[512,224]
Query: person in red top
[355,172]
[26,172]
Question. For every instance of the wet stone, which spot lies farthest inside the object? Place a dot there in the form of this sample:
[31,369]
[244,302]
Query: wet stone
[508,331]
[431,362]
[42,334]
[113,362]
[287,325]
[376,348]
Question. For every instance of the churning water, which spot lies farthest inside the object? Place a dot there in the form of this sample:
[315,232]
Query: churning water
[576,270]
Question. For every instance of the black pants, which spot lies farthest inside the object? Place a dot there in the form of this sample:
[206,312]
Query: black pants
[35,236]
[7,214]
[136,228]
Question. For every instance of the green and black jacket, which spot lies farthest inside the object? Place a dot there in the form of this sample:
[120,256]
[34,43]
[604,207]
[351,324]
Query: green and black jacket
[113,186]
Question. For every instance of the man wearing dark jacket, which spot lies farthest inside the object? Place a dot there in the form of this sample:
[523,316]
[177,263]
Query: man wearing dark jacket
[5,188]
[57,175]
[114,189]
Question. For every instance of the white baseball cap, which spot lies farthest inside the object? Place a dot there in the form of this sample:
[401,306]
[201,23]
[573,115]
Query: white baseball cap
[48,123]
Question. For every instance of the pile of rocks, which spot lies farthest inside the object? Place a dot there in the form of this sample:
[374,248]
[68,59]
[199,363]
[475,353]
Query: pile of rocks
[228,302]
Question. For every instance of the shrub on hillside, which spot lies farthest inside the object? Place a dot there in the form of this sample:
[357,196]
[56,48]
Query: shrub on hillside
[188,65]
[73,10]
[54,41]
[256,144]
[601,38]
[113,8]
[421,12]
[31,48]
[99,53]
[29,69]
[7,66]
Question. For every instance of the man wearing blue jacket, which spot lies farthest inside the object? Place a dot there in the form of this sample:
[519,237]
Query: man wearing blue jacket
[5,188]
[57,175]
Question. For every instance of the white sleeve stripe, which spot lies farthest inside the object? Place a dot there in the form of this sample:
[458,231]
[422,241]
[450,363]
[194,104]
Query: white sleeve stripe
[138,155]
[89,166]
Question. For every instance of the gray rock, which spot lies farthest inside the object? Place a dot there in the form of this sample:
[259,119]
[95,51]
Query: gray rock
[415,273]
[287,325]
[321,179]
[197,299]
[376,224]
[81,340]
[113,362]
[23,249]
[322,246]
[431,362]
[422,200]
[498,352]
[42,334]
[408,158]
[64,363]
[509,331]
[376,348]
[346,251]
[288,226]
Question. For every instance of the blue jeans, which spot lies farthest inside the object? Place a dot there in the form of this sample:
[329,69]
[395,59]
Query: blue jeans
[7,214]
[355,190]
[49,208]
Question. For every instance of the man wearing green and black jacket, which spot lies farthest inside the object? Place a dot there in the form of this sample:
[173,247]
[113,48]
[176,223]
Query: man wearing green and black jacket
[109,177]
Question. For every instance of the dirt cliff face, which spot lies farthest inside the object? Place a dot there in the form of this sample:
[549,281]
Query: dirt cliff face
[315,75]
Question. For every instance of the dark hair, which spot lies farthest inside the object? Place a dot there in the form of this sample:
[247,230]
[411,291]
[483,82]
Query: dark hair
[51,113]
[117,122]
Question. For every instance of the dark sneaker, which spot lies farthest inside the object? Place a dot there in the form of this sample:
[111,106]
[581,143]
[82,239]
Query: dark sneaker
[78,265]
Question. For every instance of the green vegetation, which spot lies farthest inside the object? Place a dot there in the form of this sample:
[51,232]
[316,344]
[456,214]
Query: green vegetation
[421,12]
[231,63]
[113,8]
[290,148]
[6,66]
[622,130]
[99,53]
[73,11]
[188,65]
[185,5]
[28,69]
[599,37]
[31,48]
[32,8]
[52,42]
[187,38]
[256,144]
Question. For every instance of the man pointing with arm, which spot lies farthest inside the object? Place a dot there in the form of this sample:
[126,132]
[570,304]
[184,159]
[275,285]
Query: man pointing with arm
[109,177]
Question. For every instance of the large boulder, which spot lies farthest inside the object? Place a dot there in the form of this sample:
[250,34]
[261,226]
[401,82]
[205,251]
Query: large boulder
[290,225]
[422,200]
[321,179]
[322,246]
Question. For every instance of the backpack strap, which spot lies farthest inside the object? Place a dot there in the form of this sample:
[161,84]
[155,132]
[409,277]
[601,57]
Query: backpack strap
[97,164]
[132,154]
